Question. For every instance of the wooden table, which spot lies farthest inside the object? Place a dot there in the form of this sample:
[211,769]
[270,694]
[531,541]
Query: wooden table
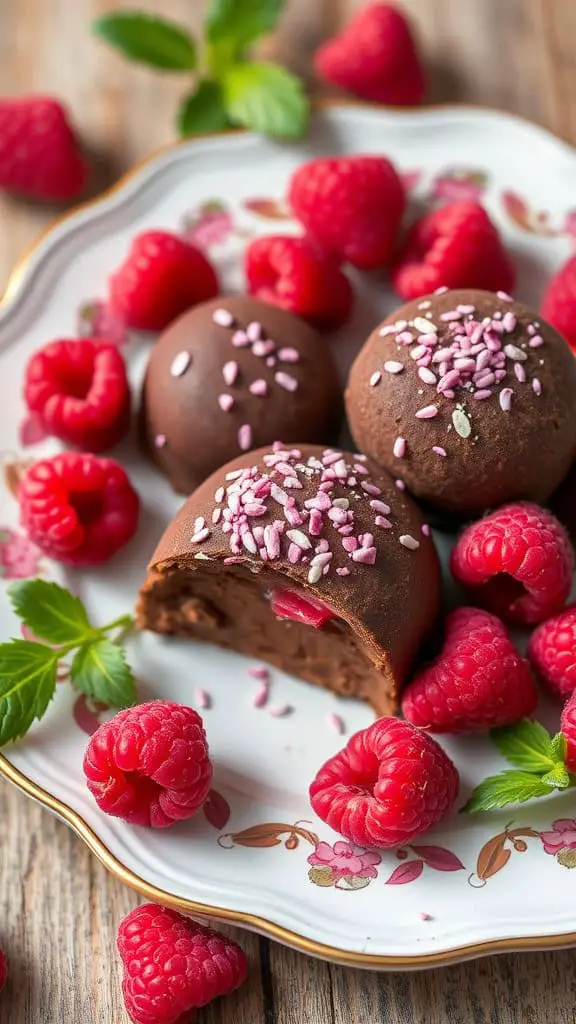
[59,909]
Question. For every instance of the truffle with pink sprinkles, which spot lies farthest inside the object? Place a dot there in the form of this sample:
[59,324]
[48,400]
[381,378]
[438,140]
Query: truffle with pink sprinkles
[306,557]
[459,393]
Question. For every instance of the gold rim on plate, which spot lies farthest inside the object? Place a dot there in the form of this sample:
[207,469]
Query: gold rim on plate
[95,844]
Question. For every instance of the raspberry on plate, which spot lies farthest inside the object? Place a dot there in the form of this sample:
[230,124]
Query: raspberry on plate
[375,56]
[568,727]
[389,784]
[552,653]
[80,390]
[478,682]
[173,965]
[351,206]
[161,277]
[39,154]
[296,275]
[150,764]
[559,303]
[518,562]
[456,246]
[78,509]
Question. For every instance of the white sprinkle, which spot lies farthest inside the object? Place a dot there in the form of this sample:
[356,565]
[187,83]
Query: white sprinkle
[400,485]
[336,723]
[427,413]
[216,515]
[505,399]
[299,538]
[254,331]
[240,339]
[286,381]
[223,317]
[515,353]
[407,541]
[391,366]
[280,710]
[230,372]
[536,386]
[180,364]
[219,495]
[399,449]
[418,351]
[424,305]
[260,698]
[465,309]
[388,329]
[341,503]
[249,543]
[258,387]
[234,474]
[438,450]
[278,494]
[289,355]
[401,325]
[424,326]
[375,378]
[509,322]
[380,506]
[440,291]
[200,536]
[462,424]
[226,402]
[504,296]
[536,341]
[426,375]
[199,524]
[520,372]
[245,437]
[202,699]
[314,574]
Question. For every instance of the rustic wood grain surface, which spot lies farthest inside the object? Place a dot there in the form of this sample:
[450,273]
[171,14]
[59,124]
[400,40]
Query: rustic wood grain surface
[58,908]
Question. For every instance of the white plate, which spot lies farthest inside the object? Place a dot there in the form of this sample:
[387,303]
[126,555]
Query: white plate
[448,898]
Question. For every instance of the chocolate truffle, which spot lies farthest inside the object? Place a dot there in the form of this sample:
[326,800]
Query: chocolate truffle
[231,375]
[467,397]
[308,558]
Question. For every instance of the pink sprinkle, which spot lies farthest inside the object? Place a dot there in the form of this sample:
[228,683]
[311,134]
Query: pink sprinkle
[271,361]
[531,329]
[440,291]
[343,571]
[258,672]
[380,506]
[464,310]
[483,360]
[425,530]
[536,386]
[289,355]
[240,339]
[315,524]
[407,541]
[383,523]
[272,541]
[405,338]
[223,317]
[245,437]
[202,699]
[520,372]
[451,314]
[160,441]
[225,402]
[360,469]
[466,363]
[263,348]
[321,546]
[254,331]
[367,556]
[504,296]
[230,372]
[483,394]
[439,451]
[294,554]
[509,322]
[350,544]
[536,341]
[369,487]
[336,723]
[484,380]
[375,378]
[280,710]
[260,698]
[426,375]
[391,366]
[234,560]
[449,380]
[400,483]
[427,413]
[399,448]
[505,399]
[424,916]
[258,387]
[286,381]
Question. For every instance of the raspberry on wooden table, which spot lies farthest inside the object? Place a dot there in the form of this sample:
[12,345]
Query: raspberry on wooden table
[478,682]
[455,246]
[568,727]
[374,56]
[389,784]
[80,390]
[559,303]
[552,653]
[518,562]
[351,206]
[297,275]
[39,154]
[78,509]
[161,277]
[150,764]
[173,965]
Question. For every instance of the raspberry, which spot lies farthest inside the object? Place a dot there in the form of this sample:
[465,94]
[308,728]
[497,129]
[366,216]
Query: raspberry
[456,246]
[552,653]
[3,969]
[80,391]
[559,304]
[78,509]
[478,682]
[568,727]
[150,765]
[173,964]
[294,274]
[161,277]
[39,155]
[351,206]
[375,56]
[390,783]
[517,562]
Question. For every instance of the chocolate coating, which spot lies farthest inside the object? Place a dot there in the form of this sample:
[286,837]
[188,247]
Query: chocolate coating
[522,452]
[382,607]
[183,426]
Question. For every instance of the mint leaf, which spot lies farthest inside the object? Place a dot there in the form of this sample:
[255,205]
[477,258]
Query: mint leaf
[558,777]
[559,747]
[526,745]
[148,39]
[50,611]
[507,788]
[241,21]
[203,111]
[265,98]
[27,685]
[101,671]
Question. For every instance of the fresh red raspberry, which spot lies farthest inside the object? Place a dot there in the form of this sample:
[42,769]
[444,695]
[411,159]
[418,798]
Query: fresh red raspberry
[559,304]
[375,56]
[80,391]
[161,277]
[517,562]
[77,508]
[389,784]
[3,969]
[296,275]
[150,764]
[552,653]
[173,964]
[39,155]
[351,206]
[478,682]
[456,246]
[568,727]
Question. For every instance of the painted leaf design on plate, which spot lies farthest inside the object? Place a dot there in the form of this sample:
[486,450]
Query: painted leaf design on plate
[216,809]
[269,834]
[493,857]
[405,873]
[13,472]
[86,714]
[536,222]
[439,858]
[268,209]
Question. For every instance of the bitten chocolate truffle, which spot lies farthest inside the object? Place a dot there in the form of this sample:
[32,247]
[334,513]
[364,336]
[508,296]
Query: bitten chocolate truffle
[308,558]
[231,375]
[468,398]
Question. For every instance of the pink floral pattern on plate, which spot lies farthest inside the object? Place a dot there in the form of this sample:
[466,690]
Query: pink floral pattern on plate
[560,842]
[342,865]
[209,224]
[19,558]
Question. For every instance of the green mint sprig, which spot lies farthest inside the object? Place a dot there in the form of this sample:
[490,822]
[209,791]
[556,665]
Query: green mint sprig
[29,668]
[539,760]
[230,91]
